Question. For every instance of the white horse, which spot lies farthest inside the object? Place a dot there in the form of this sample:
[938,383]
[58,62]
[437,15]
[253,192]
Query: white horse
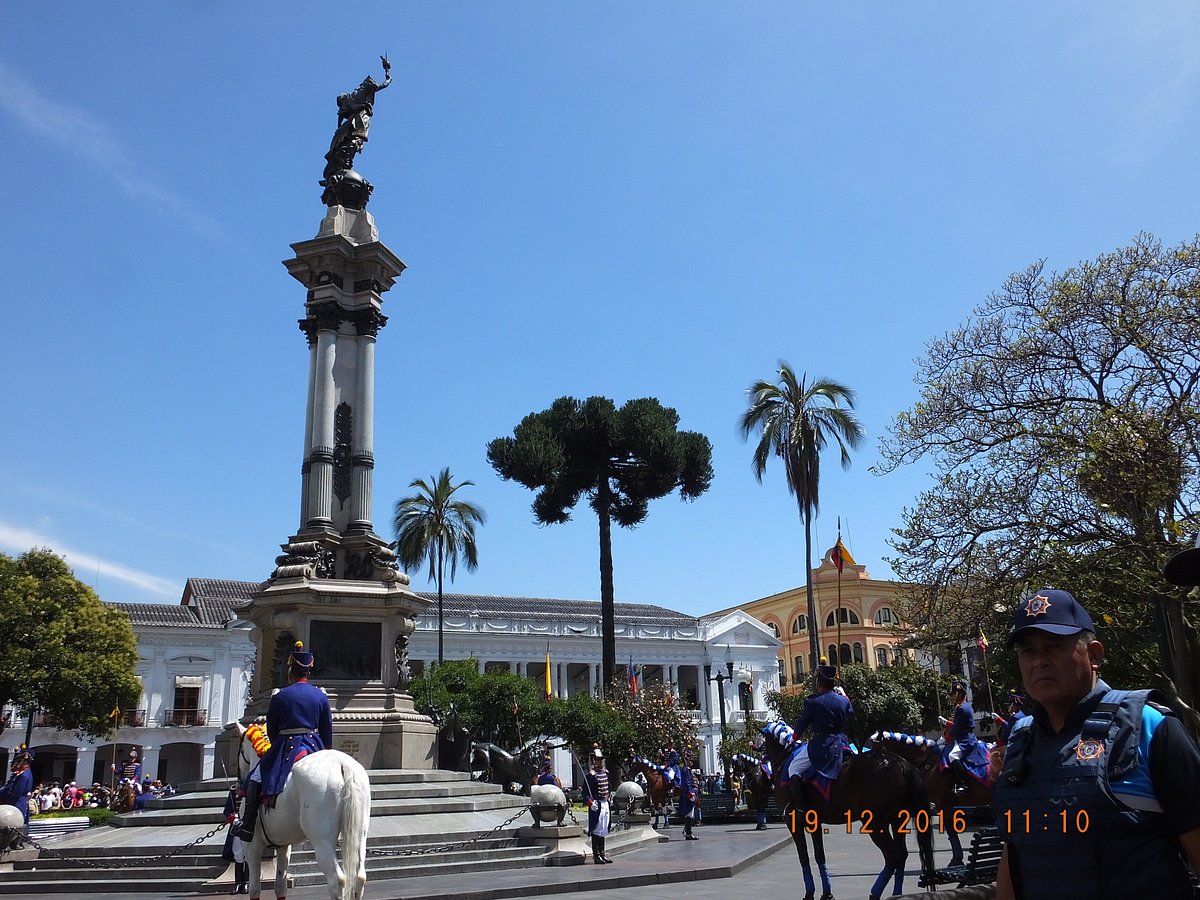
[326,796]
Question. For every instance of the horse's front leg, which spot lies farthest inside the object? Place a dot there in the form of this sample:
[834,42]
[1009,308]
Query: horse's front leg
[956,847]
[818,840]
[798,828]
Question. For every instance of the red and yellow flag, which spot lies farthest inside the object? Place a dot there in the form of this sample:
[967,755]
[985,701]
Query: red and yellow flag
[841,556]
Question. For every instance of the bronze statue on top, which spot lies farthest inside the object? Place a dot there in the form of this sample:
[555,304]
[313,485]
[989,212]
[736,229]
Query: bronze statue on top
[343,186]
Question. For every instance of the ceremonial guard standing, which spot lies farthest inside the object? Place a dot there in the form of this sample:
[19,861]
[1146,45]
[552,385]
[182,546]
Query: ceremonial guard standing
[19,786]
[299,722]
[689,809]
[598,805]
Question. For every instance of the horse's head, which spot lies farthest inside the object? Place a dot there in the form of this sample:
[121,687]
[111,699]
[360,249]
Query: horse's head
[252,744]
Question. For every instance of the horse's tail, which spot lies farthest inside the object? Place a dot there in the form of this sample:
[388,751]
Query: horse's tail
[356,815]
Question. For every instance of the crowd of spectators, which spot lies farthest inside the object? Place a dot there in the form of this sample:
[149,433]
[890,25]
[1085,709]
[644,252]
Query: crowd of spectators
[51,796]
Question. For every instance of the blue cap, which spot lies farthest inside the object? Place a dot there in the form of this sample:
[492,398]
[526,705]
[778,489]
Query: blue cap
[958,687]
[1053,611]
[828,673]
[300,658]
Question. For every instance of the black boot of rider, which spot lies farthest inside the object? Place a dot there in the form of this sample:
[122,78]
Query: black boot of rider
[250,812]
[958,773]
[241,878]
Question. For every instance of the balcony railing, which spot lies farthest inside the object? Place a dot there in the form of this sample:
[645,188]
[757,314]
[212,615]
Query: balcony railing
[185,718]
[762,715]
[133,718]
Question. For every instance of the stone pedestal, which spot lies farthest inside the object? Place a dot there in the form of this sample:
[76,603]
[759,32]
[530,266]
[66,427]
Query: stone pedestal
[357,632]
[565,844]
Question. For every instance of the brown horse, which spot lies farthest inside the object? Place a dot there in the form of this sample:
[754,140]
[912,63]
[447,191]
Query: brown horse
[659,790]
[876,789]
[757,787]
[925,754]
[125,799]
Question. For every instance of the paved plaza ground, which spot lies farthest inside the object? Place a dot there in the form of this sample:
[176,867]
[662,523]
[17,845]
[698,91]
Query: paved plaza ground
[729,860]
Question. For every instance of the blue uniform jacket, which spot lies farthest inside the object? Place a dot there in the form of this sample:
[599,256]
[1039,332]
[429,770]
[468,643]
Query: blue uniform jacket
[16,793]
[826,714]
[962,728]
[299,722]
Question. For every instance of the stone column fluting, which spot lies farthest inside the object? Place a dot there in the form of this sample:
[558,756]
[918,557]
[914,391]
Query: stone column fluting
[363,450]
[320,501]
[308,326]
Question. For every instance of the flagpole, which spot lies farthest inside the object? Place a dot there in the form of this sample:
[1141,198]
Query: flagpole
[840,564]
[986,674]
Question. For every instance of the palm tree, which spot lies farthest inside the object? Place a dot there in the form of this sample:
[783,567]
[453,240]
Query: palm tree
[796,420]
[432,525]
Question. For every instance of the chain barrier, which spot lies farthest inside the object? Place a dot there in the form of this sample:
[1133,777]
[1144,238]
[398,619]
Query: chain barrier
[444,848]
[120,864]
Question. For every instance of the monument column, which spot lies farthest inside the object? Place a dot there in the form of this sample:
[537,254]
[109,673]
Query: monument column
[308,327]
[337,586]
[320,457]
[363,460]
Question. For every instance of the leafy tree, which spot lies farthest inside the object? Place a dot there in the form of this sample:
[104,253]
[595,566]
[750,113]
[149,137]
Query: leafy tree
[657,719]
[502,707]
[1062,422]
[796,419]
[896,698]
[621,459]
[63,650]
[433,525]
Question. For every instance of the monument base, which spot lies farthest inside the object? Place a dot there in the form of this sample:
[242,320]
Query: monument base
[358,633]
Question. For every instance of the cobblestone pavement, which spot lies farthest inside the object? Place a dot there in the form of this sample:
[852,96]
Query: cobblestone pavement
[729,860]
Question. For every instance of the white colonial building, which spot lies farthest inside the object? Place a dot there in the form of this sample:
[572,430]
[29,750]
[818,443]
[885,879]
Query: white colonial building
[196,659]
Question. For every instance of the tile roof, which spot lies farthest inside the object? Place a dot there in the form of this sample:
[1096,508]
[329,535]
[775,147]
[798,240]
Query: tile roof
[209,602]
[556,610]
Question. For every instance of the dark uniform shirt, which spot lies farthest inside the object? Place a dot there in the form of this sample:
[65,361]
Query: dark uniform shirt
[16,793]
[1068,833]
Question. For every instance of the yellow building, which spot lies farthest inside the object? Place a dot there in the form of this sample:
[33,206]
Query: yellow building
[870,625]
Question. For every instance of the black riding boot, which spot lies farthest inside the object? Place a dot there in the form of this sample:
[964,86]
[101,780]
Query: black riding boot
[603,856]
[959,773]
[241,878]
[687,831]
[250,812]
[597,849]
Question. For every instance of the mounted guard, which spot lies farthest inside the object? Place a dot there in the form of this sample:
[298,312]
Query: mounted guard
[299,722]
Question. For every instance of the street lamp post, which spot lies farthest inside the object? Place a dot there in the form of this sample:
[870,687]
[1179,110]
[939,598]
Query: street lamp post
[720,678]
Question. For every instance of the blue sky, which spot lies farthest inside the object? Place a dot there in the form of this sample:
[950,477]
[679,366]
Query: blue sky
[620,198]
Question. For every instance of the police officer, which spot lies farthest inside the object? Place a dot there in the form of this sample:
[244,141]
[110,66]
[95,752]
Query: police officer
[299,722]
[1097,794]
[19,786]
[826,713]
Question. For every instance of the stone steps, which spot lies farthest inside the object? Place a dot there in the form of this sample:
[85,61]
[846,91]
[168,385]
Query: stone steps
[411,811]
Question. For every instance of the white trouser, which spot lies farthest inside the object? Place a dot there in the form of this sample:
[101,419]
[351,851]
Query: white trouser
[799,763]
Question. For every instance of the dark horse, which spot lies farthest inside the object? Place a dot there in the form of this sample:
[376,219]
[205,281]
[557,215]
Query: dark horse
[925,754]
[757,787]
[659,790]
[877,789]
[497,765]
